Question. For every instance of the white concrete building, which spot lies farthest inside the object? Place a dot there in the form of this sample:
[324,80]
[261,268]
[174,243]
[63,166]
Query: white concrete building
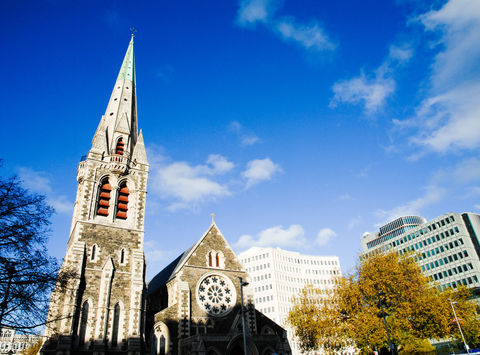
[12,342]
[277,275]
[448,247]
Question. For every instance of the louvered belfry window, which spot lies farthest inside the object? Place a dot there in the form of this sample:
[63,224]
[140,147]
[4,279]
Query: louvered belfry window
[120,147]
[104,198]
[122,204]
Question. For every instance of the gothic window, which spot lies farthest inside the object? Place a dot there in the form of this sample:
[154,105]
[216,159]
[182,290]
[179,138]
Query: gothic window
[215,259]
[160,340]
[122,202]
[93,252]
[83,323]
[116,318]
[104,198]
[120,146]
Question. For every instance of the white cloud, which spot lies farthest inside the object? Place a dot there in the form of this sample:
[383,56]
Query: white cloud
[345,197]
[432,195]
[401,54]
[249,140]
[235,126]
[40,182]
[219,163]
[354,222]
[61,204]
[456,180]
[466,171]
[372,90]
[36,181]
[155,252]
[259,170]
[365,171]
[308,36]
[324,236]
[252,11]
[186,185]
[292,236]
[246,138]
[311,36]
[448,118]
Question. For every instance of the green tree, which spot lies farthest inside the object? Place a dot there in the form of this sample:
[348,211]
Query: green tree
[381,285]
[27,273]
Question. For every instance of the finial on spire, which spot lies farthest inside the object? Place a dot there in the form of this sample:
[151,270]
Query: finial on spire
[133,30]
[213,218]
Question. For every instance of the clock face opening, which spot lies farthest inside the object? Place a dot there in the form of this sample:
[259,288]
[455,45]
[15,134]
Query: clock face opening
[216,294]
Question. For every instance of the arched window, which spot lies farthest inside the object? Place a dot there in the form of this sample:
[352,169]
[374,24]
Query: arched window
[116,319]
[83,323]
[210,259]
[120,146]
[217,259]
[92,253]
[122,256]
[104,198]
[122,202]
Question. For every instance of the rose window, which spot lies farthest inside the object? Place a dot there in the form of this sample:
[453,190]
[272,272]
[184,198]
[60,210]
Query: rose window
[216,294]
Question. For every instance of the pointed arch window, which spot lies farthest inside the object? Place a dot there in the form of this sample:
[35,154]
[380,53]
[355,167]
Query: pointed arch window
[122,201]
[93,252]
[83,323]
[120,146]
[210,259]
[217,260]
[116,319]
[104,198]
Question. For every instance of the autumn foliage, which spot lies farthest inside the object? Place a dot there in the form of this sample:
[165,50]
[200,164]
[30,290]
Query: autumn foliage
[414,309]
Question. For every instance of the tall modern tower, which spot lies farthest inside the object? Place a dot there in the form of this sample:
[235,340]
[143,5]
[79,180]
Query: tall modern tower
[277,276]
[102,308]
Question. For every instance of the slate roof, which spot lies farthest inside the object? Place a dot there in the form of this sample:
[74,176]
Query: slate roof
[167,273]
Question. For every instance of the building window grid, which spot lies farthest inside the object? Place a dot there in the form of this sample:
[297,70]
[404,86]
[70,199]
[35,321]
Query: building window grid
[446,233]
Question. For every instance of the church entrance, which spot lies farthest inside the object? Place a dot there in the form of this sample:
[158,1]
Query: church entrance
[236,347]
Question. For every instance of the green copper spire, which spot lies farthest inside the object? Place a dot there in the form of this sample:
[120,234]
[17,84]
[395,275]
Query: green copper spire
[127,71]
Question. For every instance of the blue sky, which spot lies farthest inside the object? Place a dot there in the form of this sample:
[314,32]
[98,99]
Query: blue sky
[300,124]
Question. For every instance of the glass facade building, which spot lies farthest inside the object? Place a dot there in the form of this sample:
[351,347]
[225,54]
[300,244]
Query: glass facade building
[447,248]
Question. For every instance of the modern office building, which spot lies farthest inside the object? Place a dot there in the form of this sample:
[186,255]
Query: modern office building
[277,275]
[447,247]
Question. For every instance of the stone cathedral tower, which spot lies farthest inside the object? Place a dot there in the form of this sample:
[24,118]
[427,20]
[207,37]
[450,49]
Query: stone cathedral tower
[102,309]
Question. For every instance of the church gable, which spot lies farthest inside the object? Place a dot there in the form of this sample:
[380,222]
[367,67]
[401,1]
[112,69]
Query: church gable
[213,251]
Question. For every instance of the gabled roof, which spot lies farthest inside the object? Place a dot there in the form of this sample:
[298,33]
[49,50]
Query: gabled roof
[166,274]
[169,272]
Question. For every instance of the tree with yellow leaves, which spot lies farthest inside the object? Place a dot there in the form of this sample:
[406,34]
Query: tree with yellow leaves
[385,290]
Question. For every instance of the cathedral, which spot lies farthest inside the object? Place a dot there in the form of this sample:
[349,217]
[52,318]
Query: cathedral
[193,306]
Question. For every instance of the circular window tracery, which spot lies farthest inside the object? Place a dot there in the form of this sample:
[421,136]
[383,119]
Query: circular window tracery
[216,294]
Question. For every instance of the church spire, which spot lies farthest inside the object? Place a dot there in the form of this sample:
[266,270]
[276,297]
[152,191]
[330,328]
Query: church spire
[127,71]
[119,123]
